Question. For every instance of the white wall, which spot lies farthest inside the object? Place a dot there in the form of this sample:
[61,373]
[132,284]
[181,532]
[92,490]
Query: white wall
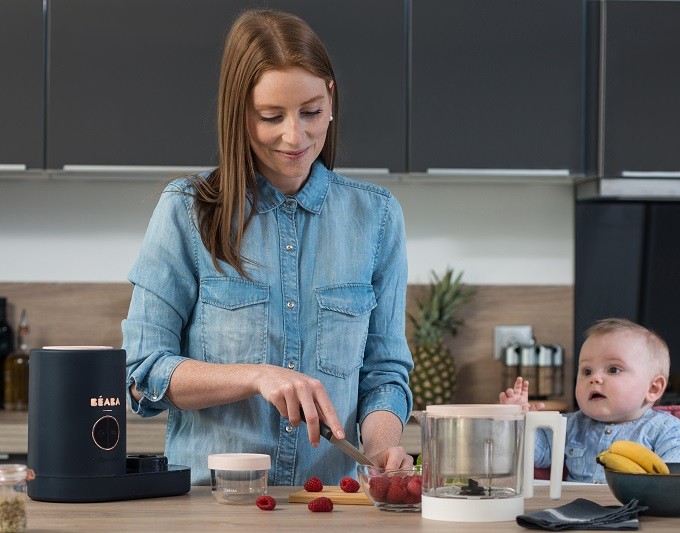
[90,231]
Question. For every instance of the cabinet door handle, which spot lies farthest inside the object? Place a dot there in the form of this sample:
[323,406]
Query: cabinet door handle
[368,171]
[134,168]
[650,174]
[516,172]
[11,168]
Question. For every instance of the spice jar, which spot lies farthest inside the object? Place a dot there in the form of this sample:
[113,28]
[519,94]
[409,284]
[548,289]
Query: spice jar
[13,497]
[238,478]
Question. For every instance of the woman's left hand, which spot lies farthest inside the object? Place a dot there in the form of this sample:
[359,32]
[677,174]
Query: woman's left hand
[394,458]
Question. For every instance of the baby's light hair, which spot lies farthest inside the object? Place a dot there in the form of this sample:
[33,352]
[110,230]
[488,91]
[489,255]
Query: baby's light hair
[657,349]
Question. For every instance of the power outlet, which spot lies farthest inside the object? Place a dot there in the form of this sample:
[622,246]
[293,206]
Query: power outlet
[506,335]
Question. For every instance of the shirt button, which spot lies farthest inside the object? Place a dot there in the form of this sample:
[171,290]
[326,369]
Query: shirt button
[290,203]
[571,451]
[154,394]
[289,247]
[608,431]
[290,304]
[289,428]
[291,364]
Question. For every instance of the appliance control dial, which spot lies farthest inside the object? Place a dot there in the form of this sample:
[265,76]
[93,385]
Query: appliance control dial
[106,433]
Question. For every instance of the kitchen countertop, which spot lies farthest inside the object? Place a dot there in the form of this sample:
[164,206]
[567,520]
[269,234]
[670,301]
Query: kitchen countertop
[198,511]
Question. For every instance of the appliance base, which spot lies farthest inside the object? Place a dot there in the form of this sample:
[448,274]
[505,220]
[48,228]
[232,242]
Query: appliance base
[472,510]
[174,481]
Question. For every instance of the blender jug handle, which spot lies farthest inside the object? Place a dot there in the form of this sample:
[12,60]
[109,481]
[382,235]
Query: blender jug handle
[558,423]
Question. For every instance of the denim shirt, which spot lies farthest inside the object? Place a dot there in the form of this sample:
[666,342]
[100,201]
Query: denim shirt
[326,297]
[587,438]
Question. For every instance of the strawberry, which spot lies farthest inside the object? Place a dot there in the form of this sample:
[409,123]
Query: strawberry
[266,503]
[313,484]
[378,486]
[395,493]
[321,505]
[347,484]
[415,486]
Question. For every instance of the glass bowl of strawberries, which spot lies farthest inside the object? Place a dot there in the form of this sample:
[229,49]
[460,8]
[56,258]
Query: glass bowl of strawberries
[392,490]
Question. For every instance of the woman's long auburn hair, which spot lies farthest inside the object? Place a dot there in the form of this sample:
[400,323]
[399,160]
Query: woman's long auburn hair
[259,41]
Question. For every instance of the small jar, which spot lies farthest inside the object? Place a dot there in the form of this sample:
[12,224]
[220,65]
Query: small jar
[238,478]
[13,497]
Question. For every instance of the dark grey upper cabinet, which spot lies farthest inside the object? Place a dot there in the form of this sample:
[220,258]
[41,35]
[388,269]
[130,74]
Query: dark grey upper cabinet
[497,84]
[641,87]
[22,85]
[366,40]
[135,83]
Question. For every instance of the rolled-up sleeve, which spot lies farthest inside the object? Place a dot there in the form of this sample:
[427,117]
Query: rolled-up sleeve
[165,288]
[383,383]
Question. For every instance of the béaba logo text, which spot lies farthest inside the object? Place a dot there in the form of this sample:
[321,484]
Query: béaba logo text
[104,402]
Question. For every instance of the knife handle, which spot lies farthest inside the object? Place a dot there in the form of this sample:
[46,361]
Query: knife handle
[326,432]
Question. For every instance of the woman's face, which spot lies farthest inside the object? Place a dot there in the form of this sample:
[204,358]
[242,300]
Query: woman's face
[288,116]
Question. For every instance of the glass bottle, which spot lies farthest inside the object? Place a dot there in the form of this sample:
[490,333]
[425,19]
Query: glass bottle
[16,371]
[13,497]
[6,343]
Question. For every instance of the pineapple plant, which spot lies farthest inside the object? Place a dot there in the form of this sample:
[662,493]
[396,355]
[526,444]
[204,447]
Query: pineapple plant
[433,378]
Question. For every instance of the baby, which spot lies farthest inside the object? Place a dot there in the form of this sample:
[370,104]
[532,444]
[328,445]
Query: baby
[623,370]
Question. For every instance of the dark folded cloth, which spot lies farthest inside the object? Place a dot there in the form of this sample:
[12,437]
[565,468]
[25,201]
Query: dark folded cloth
[584,514]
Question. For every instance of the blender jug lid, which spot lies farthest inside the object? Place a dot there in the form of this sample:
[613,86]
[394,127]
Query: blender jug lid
[474,410]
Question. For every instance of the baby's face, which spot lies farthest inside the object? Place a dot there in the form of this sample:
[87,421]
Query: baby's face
[614,377]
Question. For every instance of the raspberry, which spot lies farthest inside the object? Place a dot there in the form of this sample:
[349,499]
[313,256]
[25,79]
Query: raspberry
[411,499]
[415,486]
[347,484]
[378,486]
[266,503]
[396,493]
[313,484]
[321,505]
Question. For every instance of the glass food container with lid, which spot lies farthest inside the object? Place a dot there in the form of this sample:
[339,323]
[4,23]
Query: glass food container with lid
[238,478]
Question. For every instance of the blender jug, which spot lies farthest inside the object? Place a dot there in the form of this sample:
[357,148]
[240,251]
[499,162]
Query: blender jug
[478,460]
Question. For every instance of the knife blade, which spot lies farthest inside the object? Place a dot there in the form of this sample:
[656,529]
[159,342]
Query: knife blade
[341,444]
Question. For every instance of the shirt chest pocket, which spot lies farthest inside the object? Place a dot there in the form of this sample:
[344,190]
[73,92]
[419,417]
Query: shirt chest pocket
[234,317]
[344,314]
[576,458]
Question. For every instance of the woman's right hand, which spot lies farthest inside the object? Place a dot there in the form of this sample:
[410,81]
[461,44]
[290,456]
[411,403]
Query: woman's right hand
[290,391]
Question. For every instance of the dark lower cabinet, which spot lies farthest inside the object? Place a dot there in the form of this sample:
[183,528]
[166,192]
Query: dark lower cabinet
[640,87]
[497,84]
[135,83]
[626,265]
[21,84]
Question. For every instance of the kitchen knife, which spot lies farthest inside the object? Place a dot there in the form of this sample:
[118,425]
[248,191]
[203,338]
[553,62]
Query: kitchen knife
[341,444]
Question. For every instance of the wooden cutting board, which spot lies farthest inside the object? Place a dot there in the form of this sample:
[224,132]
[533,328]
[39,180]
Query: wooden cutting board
[335,493]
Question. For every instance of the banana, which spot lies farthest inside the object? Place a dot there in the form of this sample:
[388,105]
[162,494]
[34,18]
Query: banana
[646,458]
[614,461]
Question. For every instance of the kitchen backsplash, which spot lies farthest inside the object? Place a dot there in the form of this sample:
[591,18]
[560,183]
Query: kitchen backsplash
[91,313]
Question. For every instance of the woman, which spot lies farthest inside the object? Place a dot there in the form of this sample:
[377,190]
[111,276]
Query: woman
[272,285]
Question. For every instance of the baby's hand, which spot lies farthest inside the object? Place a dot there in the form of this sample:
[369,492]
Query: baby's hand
[519,395]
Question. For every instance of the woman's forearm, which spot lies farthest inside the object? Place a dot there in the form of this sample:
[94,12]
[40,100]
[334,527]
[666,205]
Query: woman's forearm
[197,384]
[380,430]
